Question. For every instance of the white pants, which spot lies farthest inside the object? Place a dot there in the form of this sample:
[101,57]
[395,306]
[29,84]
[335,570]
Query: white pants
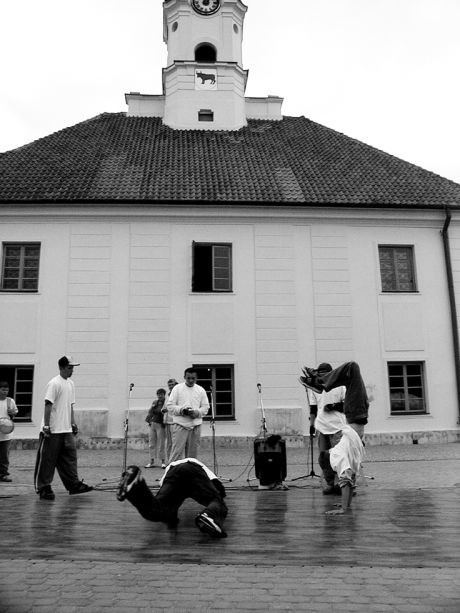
[185,442]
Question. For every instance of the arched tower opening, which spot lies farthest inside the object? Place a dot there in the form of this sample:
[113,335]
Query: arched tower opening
[205,53]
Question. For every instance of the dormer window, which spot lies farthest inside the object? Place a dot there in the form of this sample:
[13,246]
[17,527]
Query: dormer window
[205,53]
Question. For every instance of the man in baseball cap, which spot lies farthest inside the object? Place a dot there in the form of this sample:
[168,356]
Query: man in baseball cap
[67,360]
[57,447]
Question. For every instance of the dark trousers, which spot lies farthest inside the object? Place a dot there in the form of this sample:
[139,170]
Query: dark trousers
[57,451]
[326,442]
[4,457]
[187,480]
[356,403]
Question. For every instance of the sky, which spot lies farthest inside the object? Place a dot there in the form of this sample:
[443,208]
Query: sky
[385,72]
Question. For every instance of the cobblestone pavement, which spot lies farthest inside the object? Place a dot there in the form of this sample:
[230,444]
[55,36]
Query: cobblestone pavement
[398,551]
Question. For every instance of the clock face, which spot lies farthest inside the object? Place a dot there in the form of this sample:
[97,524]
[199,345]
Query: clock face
[206,7]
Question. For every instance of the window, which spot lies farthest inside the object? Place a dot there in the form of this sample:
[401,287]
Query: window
[397,268]
[212,267]
[205,115]
[220,379]
[205,53]
[20,379]
[407,389]
[20,267]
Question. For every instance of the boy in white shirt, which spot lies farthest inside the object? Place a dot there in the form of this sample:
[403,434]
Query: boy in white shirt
[8,409]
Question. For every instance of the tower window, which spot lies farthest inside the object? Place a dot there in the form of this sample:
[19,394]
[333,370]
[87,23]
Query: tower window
[205,115]
[205,53]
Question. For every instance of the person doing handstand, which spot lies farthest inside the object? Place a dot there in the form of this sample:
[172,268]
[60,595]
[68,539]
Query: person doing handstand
[355,403]
[188,478]
[346,456]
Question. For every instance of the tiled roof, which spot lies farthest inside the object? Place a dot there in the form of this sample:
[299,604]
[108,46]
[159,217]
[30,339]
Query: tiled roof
[113,158]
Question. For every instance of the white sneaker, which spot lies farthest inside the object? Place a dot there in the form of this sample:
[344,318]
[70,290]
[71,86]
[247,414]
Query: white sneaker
[150,464]
[207,524]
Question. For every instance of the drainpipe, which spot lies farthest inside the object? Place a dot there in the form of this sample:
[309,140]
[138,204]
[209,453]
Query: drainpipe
[453,305]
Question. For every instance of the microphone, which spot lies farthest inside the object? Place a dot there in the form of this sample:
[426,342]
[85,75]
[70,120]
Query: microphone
[259,387]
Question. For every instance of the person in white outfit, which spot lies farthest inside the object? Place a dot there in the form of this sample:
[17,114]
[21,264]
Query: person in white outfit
[346,458]
[8,410]
[188,404]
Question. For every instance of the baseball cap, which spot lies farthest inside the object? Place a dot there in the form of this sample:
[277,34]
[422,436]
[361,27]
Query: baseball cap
[67,360]
[324,366]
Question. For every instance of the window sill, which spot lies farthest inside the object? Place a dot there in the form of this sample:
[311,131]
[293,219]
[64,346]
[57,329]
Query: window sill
[410,415]
[397,293]
[20,291]
[225,293]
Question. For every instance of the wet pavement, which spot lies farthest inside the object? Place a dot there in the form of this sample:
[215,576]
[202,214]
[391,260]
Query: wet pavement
[397,550]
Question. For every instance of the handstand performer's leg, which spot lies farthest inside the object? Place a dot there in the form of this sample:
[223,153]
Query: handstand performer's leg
[356,402]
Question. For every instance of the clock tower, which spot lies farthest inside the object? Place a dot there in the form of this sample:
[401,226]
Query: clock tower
[204,81]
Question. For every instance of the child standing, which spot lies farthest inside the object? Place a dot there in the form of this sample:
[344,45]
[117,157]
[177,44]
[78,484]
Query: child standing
[8,409]
[156,429]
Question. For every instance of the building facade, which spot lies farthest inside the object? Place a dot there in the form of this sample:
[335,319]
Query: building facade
[205,228]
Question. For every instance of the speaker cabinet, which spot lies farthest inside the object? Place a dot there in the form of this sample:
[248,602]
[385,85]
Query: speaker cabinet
[270,459]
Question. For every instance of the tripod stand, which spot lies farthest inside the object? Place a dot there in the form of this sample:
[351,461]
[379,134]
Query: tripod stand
[212,424]
[311,474]
[126,428]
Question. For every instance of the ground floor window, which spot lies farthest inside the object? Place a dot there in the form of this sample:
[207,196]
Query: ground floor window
[218,380]
[407,388]
[20,380]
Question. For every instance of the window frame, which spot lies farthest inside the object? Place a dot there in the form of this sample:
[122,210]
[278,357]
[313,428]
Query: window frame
[213,289]
[406,387]
[213,381]
[396,283]
[206,115]
[21,277]
[12,379]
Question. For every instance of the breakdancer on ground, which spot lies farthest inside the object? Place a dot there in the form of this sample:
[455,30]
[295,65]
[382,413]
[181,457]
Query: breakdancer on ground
[188,478]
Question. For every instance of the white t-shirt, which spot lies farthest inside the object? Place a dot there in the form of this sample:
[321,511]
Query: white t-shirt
[4,413]
[208,471]
[61,392]
[328,422]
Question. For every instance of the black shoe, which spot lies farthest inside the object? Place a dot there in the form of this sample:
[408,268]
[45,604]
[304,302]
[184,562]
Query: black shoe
[5,479]
[128,479]
[208,525]
[81,488]
[46,493]
[310,380]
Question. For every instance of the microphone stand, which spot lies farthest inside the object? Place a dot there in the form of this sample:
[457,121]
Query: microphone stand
[311,474]
[126,428]
[261,404]
[212,423]
[263,428]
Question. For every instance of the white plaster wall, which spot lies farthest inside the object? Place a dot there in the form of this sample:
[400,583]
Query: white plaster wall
[116,293]
[403,327]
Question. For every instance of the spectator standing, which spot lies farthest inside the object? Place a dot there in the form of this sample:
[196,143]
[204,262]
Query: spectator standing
[57,448]
[188,404]
[8,409]
[157,429]
[168,420]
